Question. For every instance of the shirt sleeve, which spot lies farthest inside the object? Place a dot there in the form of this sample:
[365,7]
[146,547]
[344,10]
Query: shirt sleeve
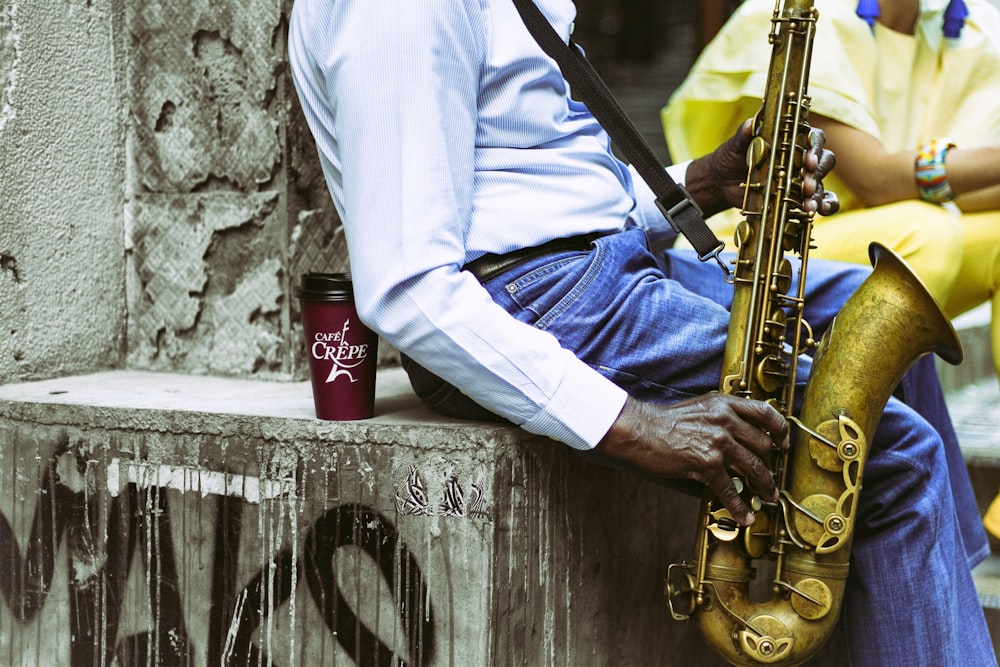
[400,81]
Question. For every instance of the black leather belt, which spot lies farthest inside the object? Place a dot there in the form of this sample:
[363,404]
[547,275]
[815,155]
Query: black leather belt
[490,266]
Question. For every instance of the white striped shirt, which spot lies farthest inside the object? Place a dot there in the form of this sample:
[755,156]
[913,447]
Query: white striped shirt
[444,132]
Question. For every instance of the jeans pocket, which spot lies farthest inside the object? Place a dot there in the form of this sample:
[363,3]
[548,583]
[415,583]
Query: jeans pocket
[545,291]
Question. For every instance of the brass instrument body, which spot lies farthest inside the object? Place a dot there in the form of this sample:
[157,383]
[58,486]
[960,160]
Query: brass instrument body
[805,537]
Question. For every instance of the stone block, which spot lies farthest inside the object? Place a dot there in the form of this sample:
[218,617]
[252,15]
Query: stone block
[62,166]
[167,520]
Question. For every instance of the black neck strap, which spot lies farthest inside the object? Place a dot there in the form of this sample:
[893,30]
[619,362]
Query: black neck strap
[673,200]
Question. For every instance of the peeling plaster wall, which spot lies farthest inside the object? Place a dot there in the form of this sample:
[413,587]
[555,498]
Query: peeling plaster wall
[207,233]
[160,193]
[62,305]
[228,205]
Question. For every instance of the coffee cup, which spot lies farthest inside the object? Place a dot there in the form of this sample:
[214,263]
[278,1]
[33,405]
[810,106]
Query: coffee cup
[342,351]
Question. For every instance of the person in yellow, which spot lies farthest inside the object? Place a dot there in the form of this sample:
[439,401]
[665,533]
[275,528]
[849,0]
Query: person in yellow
[908,94]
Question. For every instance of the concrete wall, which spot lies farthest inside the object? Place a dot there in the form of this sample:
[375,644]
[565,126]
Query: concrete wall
[170,521]
[62,175]
[227,204]
[161,193]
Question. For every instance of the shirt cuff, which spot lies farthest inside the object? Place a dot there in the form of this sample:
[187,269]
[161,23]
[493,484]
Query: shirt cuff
[678,172]
[582,409]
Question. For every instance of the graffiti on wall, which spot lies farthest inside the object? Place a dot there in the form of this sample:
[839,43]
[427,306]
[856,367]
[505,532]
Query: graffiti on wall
[137,529]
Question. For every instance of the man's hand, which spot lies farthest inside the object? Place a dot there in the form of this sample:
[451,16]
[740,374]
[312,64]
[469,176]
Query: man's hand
[715,180]
[709,439]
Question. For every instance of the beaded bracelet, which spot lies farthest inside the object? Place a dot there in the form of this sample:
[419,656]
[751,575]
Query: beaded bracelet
[930,173]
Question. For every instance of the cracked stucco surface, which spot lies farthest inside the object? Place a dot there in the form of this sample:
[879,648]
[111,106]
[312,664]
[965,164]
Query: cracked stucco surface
[160,190]
[219,225]
[205,78]
[229,324]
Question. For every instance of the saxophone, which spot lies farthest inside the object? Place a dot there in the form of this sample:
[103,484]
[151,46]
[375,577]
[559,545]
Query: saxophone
[801,543]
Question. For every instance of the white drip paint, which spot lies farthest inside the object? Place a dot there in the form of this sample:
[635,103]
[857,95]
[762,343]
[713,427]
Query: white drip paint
[189,478]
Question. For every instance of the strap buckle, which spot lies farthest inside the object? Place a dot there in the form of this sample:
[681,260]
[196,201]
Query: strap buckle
[678,209]
[687,218]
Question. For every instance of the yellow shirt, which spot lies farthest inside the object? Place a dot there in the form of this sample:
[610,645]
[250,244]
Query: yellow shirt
[901,89]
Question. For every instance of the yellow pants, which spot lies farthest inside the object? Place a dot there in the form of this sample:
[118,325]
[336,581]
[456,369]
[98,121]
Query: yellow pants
[956,256]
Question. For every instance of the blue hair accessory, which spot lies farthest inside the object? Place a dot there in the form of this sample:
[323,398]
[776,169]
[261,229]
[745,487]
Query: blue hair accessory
[868,11]
[954,18]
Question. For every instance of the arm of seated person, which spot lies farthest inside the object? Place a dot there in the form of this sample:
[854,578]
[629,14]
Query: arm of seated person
[877,176]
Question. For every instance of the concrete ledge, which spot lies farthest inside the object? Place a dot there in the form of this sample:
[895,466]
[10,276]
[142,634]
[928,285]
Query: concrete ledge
[973,330]
[975,410]
[182,520]
[270,411]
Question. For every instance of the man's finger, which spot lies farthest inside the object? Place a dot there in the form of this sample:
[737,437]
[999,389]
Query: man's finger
[756,471]
[722,486]
[765,417]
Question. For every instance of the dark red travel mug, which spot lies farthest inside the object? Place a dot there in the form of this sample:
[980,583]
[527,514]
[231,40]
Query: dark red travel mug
[342,351]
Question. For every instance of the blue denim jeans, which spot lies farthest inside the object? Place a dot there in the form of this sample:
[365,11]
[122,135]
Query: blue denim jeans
[656,325]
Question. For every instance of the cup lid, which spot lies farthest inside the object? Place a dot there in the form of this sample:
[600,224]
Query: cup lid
[326,287]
